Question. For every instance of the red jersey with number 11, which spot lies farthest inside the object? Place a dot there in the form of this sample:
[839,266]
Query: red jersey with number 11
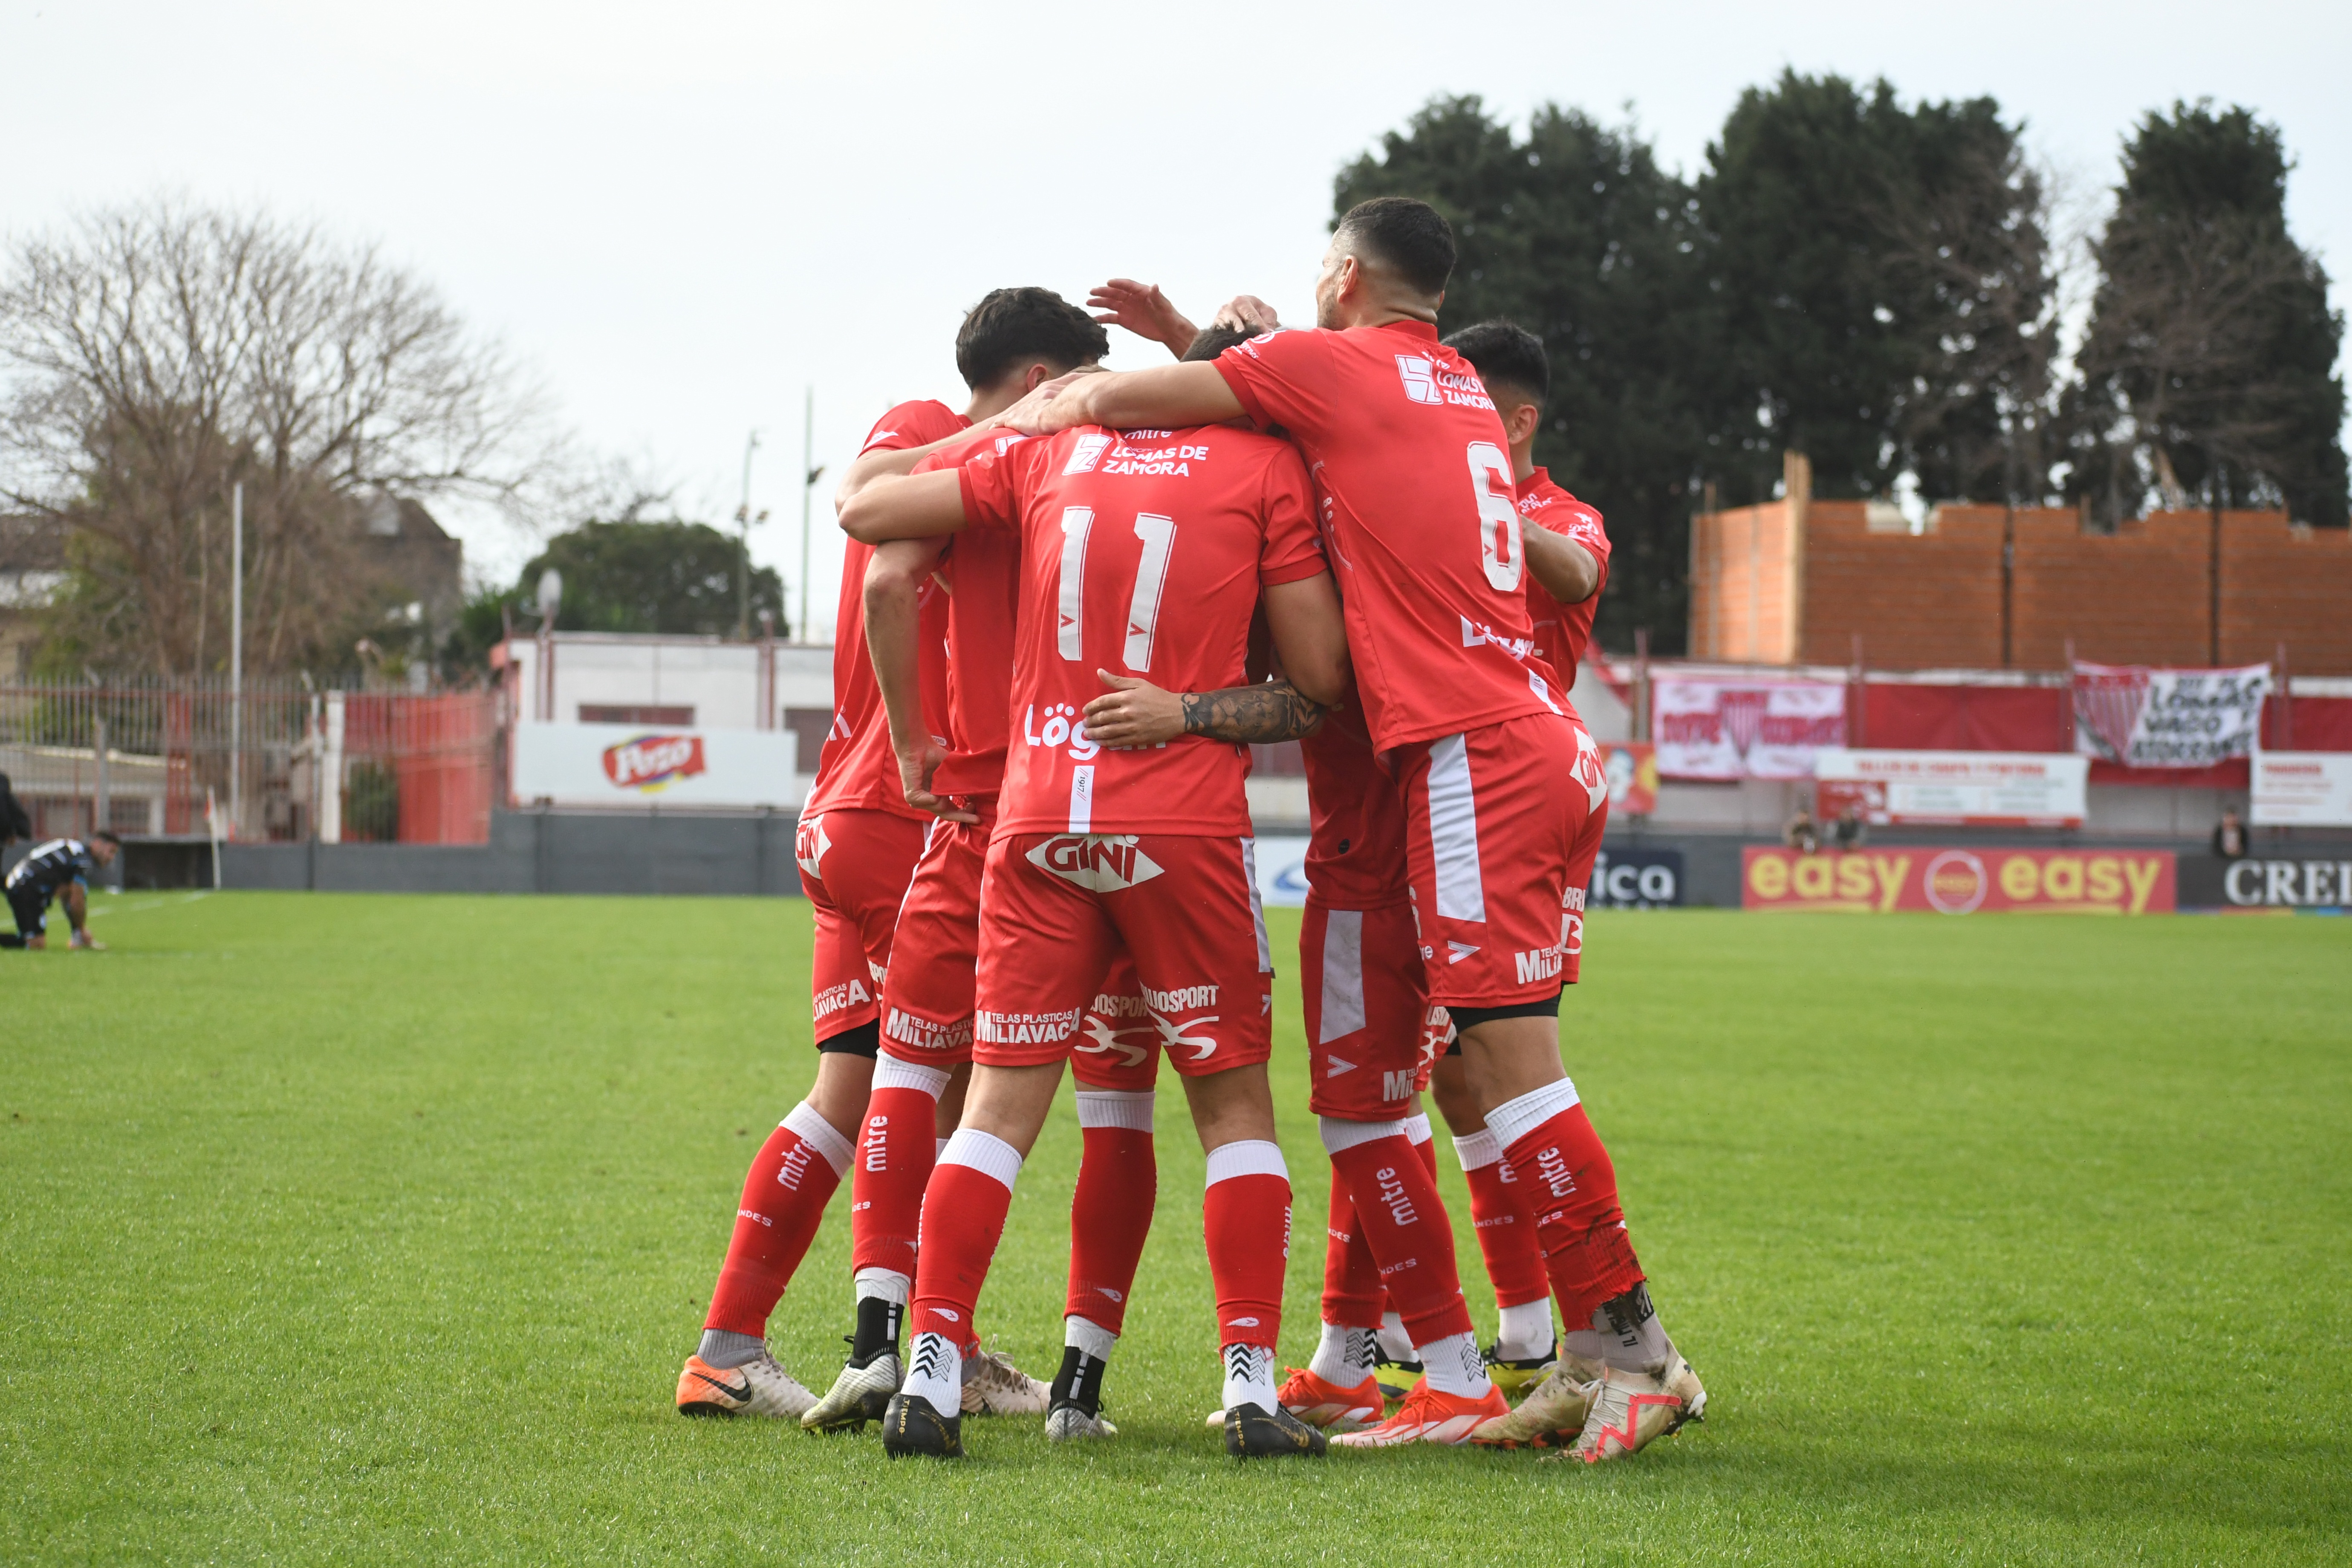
[1142,555]
[1419,517]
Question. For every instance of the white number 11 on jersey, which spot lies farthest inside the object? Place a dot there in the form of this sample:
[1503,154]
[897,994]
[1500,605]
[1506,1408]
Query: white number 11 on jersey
[1159,536]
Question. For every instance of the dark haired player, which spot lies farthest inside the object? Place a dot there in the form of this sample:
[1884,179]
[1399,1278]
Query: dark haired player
[1145,553]
[1424,532]
[59,869]
[858,842]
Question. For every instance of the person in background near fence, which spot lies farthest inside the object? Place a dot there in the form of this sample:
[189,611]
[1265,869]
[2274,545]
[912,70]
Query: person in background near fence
[60,867]
[1801,835]
[2230,838]
[14,823]
[1849,831]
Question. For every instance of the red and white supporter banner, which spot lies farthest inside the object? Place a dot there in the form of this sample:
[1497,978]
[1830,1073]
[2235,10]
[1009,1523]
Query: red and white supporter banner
[1972,789]
[627,765]
[1961,882]
[1716,727]
[2302,789]
[2144,717]
[1632,767]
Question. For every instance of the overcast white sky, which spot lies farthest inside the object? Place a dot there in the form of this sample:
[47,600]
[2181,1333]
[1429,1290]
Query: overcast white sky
[680,216]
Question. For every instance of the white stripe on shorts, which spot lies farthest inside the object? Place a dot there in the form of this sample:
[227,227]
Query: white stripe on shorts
[1343,976]
[1257,906]
[1453,831]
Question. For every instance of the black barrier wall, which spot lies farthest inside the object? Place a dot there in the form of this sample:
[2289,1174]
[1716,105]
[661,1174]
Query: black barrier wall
[2266,881]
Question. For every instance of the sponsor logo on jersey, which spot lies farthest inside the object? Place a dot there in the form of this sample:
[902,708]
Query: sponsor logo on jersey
[1427,381]
[1025,1028]
[1476,632]
[1085,453]
[1098,862]
[1181,999]
[834,998]
[1398,1085]
[1146,462]
[1339,1065]
[1539,962]
[648,762]
[810,844]
[1062,723]
[1458,951]
[927,1033]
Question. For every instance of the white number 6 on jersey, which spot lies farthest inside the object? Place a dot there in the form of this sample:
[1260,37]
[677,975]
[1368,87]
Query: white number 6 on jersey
[1499,515]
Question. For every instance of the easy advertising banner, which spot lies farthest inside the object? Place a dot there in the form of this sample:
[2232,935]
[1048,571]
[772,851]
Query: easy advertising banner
[1950,789]
[2145,717]
[627,766]
[1710,727]
[2302,789]
[1960,881]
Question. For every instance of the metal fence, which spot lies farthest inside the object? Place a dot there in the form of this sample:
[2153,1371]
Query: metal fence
[270,762]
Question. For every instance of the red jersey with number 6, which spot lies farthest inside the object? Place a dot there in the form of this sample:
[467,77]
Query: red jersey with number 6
[1562,631]
[1419,517]
[982,570]
[1142,555]
[856,768]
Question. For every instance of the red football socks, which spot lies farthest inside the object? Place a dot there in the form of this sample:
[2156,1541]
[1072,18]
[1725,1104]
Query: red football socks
[1353,1292]
[1571,1190]
[1245,1216]
[895,1155]
[963,1219]
[1110,1213]
[785,1195]
[1404,1224]
[1507,1230]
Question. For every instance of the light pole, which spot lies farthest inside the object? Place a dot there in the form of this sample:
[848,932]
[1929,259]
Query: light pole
[811,470]
[743,521]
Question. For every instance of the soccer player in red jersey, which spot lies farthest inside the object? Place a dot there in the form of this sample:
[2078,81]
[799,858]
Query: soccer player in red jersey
[1144,555]
[927,1001]
[858,841]
[1424,534]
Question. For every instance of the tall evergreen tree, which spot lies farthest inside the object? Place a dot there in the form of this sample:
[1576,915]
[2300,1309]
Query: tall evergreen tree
[2208,369]
[1574,232]
[1885,286]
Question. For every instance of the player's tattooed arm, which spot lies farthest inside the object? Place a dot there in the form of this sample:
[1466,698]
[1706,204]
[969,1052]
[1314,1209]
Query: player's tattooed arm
[1137,713]
[1254,715]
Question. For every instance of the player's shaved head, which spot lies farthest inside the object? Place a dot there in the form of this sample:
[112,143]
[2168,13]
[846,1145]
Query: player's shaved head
[1508,358]
[1014,326]
[1211,342]
[1409,240]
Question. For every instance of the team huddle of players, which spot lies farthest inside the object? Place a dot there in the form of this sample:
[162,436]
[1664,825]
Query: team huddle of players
[1065,616]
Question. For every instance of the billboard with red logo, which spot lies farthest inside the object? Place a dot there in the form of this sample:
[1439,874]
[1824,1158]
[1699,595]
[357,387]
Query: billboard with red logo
[628,767]
[1960,881]
[648,762]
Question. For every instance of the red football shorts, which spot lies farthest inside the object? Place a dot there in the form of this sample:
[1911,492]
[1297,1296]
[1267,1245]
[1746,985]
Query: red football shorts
[855,865]
[1058,907]
[927,1000]
[1117,1045]
[1369,1038]
[1502,825]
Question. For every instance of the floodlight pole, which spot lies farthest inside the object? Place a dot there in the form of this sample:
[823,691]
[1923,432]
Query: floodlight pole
[810,469]
[235,659]
[743,559]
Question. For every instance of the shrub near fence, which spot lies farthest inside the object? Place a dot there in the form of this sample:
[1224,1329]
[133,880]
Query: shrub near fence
[145,756]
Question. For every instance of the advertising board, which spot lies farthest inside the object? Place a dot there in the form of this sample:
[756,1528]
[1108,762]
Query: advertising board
[628,766]
[2302,789]
[1631,878]
[1959,881]
[2267,882]
[1950,789]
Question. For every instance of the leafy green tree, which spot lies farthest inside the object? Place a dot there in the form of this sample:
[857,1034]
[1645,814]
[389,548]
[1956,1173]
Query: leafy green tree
[2208,367]
[1575,233]
[1884,282]
[651,577]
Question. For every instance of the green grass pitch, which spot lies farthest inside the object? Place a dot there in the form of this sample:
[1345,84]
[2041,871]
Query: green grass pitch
[376,1227]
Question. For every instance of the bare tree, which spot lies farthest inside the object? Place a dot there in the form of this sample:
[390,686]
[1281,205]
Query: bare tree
[152,357]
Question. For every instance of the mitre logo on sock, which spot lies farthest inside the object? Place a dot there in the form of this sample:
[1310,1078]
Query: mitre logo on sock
[1098,862]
